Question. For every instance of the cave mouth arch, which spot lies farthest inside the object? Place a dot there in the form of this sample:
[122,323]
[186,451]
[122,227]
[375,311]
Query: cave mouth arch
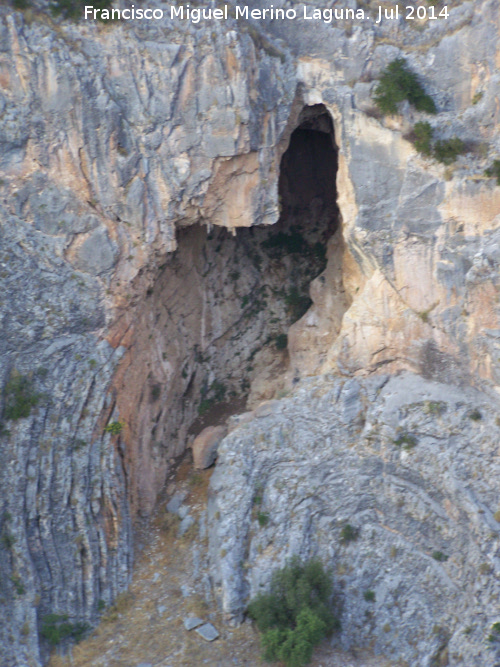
[308,172]
[211,333]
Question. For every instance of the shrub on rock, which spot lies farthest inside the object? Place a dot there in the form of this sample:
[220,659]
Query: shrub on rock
[295,615]
[398,83]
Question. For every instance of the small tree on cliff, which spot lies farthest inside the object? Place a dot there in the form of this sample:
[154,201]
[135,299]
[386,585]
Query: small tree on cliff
[295,615]
[398,83]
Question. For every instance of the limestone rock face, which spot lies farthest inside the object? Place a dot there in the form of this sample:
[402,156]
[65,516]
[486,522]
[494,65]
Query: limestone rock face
[114,142]
[205,446]
[412,466]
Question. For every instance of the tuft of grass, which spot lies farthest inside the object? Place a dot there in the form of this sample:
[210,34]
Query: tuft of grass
[122,604]
[435,407]
[18,584]
[406,441]
[494,635]
[114,428]
[349,533]
[494,171]
[475,415]
[398,83]
[446,151]
[19,397]
[440,556]
[484,568]
[281,341]
[213,395]
[369,596]
[7,539]
[477,98]
[257,499]
[263,519]
[195,479]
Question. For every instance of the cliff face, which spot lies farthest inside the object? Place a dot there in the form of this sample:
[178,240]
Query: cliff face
[115,138]
[392,480]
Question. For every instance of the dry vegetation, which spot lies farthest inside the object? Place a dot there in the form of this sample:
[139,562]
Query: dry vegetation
[133,630]
[136,630]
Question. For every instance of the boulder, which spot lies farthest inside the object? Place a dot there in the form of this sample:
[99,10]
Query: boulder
[208,632]
[190,623]
[205,446]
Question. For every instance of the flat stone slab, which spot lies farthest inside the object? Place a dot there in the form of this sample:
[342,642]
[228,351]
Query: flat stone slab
[192,622]
[175,502]
[208,632]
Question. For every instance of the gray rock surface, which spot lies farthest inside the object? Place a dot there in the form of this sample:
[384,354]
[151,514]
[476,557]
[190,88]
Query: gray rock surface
[175,503]
[411,467]
[192,622]
[208,632]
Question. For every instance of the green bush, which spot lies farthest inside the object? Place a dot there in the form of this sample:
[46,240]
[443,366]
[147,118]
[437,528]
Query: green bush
[349,533]
[447,150]
[70,9]
[56,628]
[422,137]
[369,596]
[114,428]
[19,397]
[494,171]
[406,440]
[495,633]
[440,556]
[398,83]
[263,519]
[295,614]
[444,150]
[281,341]
[211,396]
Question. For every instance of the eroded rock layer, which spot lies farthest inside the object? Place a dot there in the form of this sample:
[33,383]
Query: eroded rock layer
[393,482]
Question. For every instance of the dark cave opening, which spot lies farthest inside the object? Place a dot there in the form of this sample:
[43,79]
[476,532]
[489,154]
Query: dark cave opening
[286,257]
[308,171]
[215,324]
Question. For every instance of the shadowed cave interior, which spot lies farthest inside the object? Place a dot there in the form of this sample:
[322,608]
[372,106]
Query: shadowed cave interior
[213,330]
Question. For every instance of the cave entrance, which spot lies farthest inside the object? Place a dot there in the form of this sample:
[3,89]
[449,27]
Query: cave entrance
[308,171]
[212,332]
